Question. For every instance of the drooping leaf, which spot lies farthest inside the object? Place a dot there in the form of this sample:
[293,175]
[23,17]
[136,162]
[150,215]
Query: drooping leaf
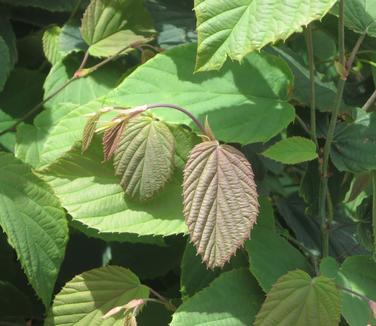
[220,201]
[357,273]
[90,192]
[265,242]
[144,159]
[244,103]
[236,28]
[297,299]
[292,150]
[110,25]
[89,130]
[88,297]
[325,91]
[34,222]
[51,44]
[354,147]
[360,16]
[231,299]
[112,137]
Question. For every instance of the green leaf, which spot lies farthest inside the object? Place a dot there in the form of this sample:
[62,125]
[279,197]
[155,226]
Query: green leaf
[194,274]
[89,296]
[91,194]
[144,159]
[51,44]
[325,91]
[292,150]
[231,299]
[353,146]
[244,103]
[95,85]
[70,39]
[110,25]
[266,243]
[329,267]
[297,299]
[357,273]
[220,201]
[8,35]
[31,138]
[360,16]
[237,28]
[34,222]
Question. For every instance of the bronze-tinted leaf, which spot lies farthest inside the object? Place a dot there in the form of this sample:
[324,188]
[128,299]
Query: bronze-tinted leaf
[220,201]
[111,139]
[89,130]
[145,157]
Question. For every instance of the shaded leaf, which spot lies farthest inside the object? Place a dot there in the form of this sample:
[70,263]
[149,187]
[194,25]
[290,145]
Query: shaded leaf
[220,201]
[51,5]
[292,150]
[357,273]
[238,27]
[297,299]
[231,299]
[353,146]
[88,297]
[144,158]
[34,222]
[51,44]
[110,25]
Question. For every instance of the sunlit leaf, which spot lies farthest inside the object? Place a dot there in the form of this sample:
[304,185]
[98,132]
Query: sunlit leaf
[110,25]
[235,28]
[144,158]
[89,296]
[220,201]
[297,299]
[51,44]
[34,222]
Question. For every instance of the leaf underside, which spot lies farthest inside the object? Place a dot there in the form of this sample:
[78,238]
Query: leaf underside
[220,201]
[111,139]
[144,158]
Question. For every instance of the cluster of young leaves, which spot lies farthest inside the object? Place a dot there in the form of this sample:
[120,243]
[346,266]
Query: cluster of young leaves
[99,225]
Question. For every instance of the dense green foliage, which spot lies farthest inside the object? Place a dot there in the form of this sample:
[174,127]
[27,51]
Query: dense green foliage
[188,162]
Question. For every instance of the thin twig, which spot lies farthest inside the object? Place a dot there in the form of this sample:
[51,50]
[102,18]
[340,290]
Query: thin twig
[330,135]
[186,112]
[302,124]
[38,106]
[167,302]
[366,107]
[353,54]
[312,92]
[359,295]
